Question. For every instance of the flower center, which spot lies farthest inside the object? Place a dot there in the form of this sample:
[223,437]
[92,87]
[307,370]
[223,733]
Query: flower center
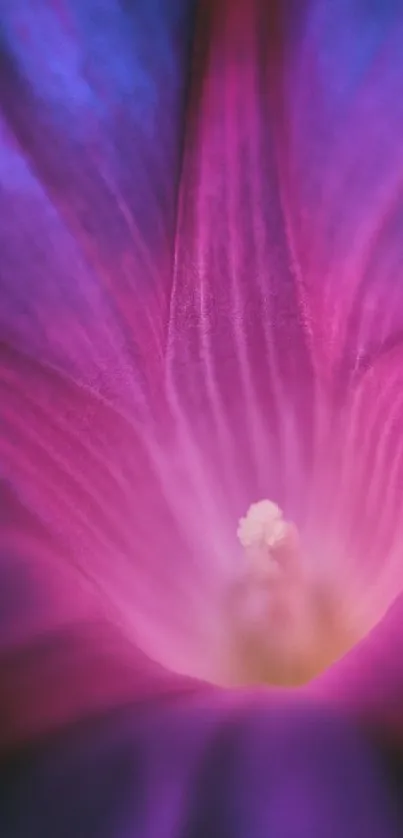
[286,626]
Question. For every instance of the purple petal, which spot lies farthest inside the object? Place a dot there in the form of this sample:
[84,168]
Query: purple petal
[73,674]
[240,768]
[341,167]
[246,312]
[367,684]
[90,139]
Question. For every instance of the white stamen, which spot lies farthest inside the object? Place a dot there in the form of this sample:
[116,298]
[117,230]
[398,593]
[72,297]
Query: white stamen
[262,533]
[287,625]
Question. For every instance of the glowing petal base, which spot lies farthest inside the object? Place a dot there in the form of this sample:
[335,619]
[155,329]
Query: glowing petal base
[287,625]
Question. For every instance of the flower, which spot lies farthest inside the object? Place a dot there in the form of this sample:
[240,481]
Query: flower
[188,330]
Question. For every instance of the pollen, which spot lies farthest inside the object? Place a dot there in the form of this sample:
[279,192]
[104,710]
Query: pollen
[264,533]
[263,525]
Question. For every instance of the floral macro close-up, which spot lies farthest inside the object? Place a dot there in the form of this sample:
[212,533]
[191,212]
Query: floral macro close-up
[201,418]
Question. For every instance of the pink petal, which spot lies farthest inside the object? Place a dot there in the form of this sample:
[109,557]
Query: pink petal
[238,367]
[259,282]
[93,525]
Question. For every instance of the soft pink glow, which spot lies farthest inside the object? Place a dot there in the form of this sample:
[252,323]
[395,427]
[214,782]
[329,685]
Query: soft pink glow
[180,360]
